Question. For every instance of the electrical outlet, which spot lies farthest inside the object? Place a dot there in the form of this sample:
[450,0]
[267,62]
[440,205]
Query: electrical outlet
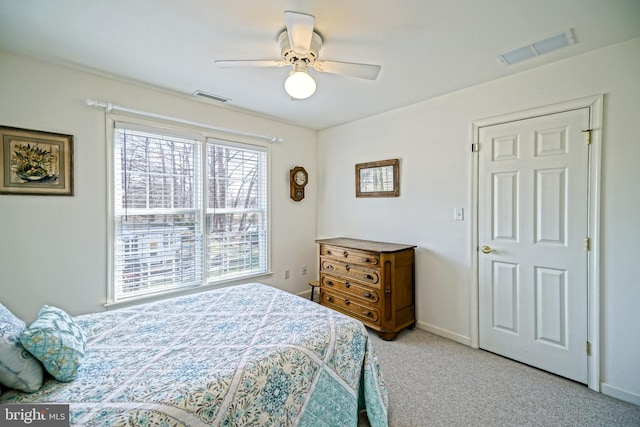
[304,270]
[286,273]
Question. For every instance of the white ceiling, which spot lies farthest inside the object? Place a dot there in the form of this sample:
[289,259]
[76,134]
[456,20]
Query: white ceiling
[426,47]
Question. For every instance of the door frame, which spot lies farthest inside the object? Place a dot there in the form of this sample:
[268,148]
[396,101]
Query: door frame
[595,105]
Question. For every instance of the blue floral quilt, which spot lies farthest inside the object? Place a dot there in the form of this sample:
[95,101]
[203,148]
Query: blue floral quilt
[248,355]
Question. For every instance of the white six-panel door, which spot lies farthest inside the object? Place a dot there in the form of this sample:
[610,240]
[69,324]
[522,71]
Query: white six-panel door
[532,223]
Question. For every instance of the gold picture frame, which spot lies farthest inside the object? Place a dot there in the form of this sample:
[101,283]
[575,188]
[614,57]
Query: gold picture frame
[34,162]
[378,179]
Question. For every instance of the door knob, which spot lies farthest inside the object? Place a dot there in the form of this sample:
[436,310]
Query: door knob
[486,249]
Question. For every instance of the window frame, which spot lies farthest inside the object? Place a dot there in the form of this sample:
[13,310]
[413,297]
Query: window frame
[205,136]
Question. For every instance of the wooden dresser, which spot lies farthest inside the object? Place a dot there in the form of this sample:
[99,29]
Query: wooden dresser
[373,282]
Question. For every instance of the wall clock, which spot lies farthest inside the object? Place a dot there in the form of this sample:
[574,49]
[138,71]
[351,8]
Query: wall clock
[298,178]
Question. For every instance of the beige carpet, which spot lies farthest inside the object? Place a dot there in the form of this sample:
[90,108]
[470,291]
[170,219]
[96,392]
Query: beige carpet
[433,381]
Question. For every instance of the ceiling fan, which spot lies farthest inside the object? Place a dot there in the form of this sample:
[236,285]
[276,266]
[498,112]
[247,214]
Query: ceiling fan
[299,46]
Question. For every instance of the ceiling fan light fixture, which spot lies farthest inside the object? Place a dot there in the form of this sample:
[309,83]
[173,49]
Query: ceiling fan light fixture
[299,84]
[299,47]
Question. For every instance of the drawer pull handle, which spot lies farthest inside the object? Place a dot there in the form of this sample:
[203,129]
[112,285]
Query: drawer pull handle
[367,313]
[329,282]
[328,252]
[368,276]
[330,299]
[347,267]
[346,301]
[368,295]
[366,260]
[347,284]
[345,253]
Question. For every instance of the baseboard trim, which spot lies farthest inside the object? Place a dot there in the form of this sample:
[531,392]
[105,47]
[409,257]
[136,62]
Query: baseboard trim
[619,393]
[424,326]
[444,333]
[306,294]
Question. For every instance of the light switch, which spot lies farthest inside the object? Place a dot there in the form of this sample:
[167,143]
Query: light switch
[458,214]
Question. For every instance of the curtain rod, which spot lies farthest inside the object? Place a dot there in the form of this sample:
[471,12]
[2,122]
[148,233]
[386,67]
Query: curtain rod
[110,107]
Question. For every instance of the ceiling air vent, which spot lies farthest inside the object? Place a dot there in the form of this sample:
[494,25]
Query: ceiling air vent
[210,96]
[538,48]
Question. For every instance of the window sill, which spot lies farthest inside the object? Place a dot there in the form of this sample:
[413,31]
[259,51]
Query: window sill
[182,291]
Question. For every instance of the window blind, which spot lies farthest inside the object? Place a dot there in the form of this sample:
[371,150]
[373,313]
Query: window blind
[186,210]
[236,211]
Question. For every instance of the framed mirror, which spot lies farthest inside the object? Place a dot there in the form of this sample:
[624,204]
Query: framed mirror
[378,179]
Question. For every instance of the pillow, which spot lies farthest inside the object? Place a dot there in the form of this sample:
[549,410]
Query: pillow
[56,341]
[18,368]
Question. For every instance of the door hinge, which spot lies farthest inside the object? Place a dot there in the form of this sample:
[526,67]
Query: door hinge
[475,147]
[587,244]
[588,348]
[588,132]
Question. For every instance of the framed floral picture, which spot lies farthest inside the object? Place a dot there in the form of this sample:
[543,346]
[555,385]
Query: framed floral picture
[35,162]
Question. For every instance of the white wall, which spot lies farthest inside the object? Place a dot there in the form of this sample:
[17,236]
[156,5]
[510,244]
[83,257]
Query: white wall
[53,250]
[432,140]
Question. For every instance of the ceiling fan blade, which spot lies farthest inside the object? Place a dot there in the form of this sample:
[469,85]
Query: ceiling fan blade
[300,30]
[256,63]
[361,71]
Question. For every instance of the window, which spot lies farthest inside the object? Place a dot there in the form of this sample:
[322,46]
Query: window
[187,211]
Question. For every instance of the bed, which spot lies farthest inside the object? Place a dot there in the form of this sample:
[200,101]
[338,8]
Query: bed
[248,355]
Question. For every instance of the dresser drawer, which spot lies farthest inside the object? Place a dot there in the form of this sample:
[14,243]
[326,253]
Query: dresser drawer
[351,307]
[358,272]
[352,256]
[365,292]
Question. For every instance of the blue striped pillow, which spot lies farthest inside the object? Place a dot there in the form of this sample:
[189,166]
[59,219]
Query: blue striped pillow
[57,341]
